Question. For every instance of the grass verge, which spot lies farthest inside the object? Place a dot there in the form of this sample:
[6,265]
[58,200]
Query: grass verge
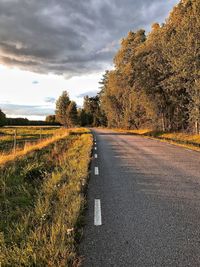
[189,141]
[41,202]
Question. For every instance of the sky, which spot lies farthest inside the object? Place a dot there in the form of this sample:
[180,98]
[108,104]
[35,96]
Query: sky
[50,46]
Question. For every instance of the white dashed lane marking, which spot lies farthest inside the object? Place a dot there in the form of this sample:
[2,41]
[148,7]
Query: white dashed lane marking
[97,212]
[96,170]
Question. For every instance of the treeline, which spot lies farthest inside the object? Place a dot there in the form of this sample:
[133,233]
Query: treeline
[69,115]
[24,122]
[66,114]
[156,79]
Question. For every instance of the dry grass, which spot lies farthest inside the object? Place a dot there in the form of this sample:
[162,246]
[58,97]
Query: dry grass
[26,134]
[42,199]
[59,134]
[182,137]
[189,141]
[139,131]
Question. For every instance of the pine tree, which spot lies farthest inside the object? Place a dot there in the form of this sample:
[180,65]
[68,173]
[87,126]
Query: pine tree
[72,114]
[61,109]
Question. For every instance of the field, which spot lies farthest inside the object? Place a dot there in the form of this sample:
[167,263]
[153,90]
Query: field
[24,136]
[42,198]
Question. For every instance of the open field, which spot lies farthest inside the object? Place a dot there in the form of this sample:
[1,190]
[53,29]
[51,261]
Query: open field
[41,201]
[24,136]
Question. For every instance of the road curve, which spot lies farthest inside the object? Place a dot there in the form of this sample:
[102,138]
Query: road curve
[150,204]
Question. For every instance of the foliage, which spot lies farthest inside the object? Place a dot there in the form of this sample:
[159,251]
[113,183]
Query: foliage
[72,114]
[24,121]
[51,119]
[41,199]
[156,80]
[91,114]
[2,118]
[66,111]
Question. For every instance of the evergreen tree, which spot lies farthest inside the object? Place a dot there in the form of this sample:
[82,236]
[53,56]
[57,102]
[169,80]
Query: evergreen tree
[72,114]
[62,109]
[2,118]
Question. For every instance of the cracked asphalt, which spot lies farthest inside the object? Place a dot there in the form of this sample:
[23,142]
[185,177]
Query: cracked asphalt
[150,204]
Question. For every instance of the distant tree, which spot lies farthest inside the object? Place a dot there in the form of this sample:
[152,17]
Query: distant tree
[82,117]
[72,114]
[2,118]
[62,105]
[51,118]
[92,113]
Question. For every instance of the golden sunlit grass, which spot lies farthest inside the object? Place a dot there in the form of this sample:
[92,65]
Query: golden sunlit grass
[24,135]
[139,131]
[59,134]
[191,141]
[42,200]
[182,136]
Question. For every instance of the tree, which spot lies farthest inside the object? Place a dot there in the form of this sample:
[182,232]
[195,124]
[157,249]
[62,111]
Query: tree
[121,98]
[82,117]
[72,114]
[51,119]
[62,109]
[182,48]
[2,118]
[92,112]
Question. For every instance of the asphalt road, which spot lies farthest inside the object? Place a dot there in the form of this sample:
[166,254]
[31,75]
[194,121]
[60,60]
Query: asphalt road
[150,204]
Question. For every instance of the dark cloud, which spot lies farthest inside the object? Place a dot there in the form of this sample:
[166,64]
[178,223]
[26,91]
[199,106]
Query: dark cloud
[71,37]
[26,110]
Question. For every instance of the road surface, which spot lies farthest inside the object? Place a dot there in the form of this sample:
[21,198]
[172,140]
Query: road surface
[143,204]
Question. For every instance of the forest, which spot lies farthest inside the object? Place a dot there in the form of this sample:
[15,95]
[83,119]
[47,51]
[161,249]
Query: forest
[156,79]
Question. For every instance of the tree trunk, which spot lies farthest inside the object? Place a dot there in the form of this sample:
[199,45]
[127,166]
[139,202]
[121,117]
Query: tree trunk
[163,122]
[197,126]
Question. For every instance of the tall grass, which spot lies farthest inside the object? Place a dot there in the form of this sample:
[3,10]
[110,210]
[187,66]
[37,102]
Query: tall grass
[28,134]
[9,156]
[42,196]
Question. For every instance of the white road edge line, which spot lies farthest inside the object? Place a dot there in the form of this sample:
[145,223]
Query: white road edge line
[97,212]
[95,155]
[95,148]
[96,170]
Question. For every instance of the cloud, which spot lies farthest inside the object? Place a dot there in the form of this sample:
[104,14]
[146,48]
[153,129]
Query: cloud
[35,82]
[51,100]
[26,110]
[88,93]
[70,37]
